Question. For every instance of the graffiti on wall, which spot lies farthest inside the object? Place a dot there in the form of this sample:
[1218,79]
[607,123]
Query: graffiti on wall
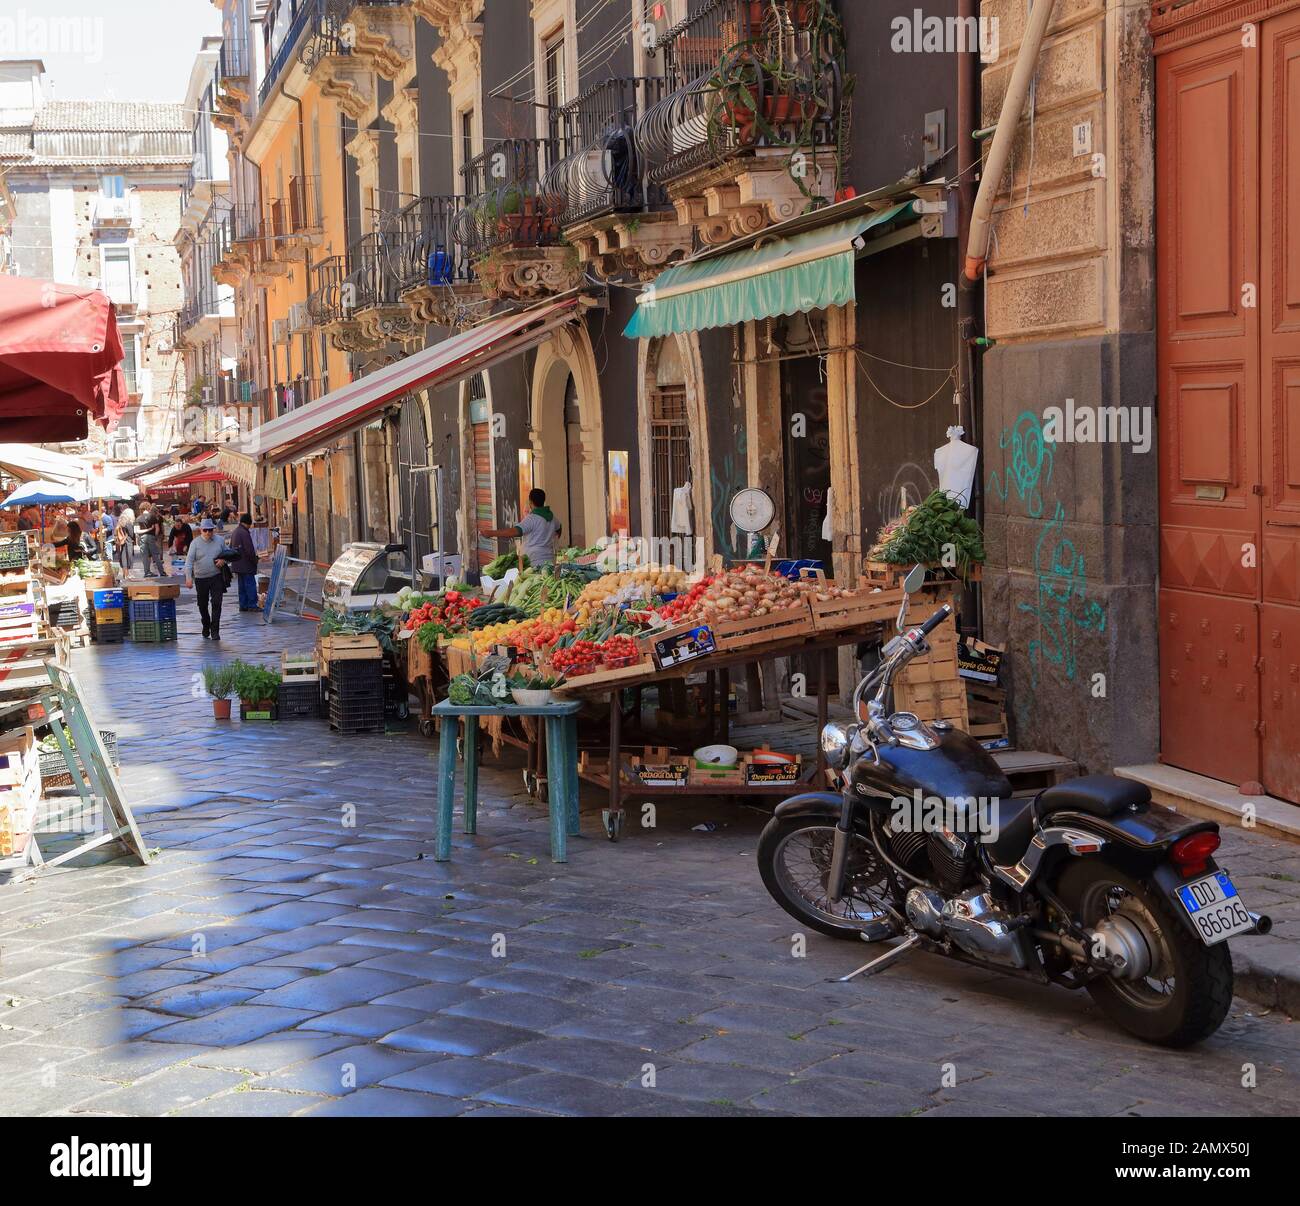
[1061,606]
[728,474]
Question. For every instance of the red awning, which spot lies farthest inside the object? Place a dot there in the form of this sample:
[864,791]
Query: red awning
[60,360]
[200,468]
[320,423]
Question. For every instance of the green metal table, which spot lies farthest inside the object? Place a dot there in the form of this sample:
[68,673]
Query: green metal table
[562,761]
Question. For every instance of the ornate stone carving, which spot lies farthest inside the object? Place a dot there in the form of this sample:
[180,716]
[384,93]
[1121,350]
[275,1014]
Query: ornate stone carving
[350,83]
[527,273]
[631,245]
[384,324]
[454,306]
[403,111]
[384,37]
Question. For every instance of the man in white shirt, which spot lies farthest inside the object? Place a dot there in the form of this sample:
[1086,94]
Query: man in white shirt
[539,530]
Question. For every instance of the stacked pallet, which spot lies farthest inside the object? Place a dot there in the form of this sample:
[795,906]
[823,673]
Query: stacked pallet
[20,789]
[931,686]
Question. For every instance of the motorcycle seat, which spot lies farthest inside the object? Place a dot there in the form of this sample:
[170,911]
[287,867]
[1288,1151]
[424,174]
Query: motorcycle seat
[1015,828]
[1096,795]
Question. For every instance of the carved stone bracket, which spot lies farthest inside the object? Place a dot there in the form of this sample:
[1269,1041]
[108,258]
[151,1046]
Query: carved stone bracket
[746,195]
[384,38]
[452,306]
[346,335]
[636,245]
[348,82]
[386,324]
[527,273]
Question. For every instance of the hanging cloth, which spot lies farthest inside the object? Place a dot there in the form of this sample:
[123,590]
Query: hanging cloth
[680,523]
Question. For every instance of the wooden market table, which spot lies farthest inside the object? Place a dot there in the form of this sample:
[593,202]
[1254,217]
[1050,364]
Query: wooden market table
[562,758]
[612,683]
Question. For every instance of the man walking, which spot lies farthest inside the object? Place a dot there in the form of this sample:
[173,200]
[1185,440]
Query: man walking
[245,562]
[124,537]
[203,572]
[149,528]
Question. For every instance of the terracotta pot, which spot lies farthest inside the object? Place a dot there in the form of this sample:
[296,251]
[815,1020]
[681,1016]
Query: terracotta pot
[787,109]
[221,709]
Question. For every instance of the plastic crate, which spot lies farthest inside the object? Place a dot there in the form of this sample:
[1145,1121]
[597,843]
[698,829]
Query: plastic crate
[298,700]
[109,598]
[107,634]
[358,671]
[13,552]
[152,610]
[347,716]
[256,713]
[153,631]
[107,615]
[52,762]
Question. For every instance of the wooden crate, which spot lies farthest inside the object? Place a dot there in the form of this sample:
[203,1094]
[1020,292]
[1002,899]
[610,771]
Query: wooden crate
[931,687]
[986,710]
[299,667]
[885,573]
[459,661]
[347,647]
[789,624]
[856,610]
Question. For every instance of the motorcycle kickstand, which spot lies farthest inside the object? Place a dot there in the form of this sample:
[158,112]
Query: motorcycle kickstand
[880,962]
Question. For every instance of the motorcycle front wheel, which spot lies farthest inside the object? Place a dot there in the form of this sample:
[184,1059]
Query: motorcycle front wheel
[1188,990]
[794,858]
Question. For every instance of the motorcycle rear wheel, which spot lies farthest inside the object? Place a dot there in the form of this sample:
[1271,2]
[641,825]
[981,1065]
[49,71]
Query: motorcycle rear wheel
[794,858]
[1190,990]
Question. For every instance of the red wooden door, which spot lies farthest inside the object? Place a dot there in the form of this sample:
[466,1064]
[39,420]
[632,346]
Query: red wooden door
[1280,402]
[1207,107]
[1228,265]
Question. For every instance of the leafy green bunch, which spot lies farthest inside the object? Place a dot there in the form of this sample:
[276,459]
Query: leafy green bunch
[935,532]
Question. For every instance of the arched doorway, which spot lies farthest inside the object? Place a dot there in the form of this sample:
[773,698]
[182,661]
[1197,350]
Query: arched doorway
[415,506]
[567,435]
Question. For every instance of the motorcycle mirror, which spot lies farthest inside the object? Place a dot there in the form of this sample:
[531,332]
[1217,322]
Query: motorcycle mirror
[911,584]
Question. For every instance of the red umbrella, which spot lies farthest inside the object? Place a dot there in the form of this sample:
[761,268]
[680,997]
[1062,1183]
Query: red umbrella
[60,360]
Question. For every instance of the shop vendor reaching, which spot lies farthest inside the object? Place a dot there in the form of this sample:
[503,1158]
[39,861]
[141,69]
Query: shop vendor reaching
[539,530]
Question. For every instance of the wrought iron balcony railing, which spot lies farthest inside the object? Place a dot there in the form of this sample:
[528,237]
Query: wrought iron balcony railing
[506,205]
[329,300]
[245,223]
[425,235]
[374,271]
[284,25]
[741,74]
[604,169]
[233,61]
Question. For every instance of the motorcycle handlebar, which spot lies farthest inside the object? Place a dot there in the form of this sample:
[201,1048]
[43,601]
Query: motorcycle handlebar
[935,620]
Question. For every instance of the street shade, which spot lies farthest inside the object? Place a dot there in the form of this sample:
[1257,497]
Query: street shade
[44,494]
[110,487]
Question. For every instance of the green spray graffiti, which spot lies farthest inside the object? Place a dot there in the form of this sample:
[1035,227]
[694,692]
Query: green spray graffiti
[727,475]
[1062,607]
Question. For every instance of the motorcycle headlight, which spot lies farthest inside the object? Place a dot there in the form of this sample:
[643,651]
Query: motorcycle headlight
[835,743]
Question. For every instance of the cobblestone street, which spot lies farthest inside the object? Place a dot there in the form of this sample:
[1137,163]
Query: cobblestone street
[283,956]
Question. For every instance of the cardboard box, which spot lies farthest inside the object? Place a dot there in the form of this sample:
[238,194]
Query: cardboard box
[978,660]
[152,590]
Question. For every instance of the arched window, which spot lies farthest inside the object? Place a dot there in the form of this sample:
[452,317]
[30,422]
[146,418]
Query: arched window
[670,437]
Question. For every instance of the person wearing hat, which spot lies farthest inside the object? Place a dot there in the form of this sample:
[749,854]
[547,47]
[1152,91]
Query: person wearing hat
[203,572]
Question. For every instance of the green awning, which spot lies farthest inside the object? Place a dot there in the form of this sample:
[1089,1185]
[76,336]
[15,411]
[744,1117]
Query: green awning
[807,271]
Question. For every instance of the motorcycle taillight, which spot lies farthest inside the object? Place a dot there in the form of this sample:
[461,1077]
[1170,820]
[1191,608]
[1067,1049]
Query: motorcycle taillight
[1192,853]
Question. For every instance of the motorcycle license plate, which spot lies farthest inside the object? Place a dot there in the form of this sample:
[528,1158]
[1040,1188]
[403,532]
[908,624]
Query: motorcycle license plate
[1214,907]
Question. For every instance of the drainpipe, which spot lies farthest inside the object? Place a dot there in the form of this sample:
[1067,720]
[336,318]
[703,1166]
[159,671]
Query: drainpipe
[1012,106]
[967,166]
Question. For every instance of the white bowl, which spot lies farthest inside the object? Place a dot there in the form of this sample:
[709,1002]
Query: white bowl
[532,699]
[717,755]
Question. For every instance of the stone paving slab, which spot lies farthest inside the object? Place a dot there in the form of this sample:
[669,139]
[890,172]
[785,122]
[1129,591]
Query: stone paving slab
[274,962]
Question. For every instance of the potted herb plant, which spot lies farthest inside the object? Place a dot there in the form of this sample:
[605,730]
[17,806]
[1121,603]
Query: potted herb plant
[219,682]
[258,689]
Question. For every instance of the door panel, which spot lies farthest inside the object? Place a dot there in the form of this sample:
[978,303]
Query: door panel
[1280,404]
[1207,159]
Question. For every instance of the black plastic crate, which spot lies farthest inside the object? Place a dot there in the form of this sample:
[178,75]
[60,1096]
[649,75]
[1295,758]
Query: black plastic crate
[353,717]
[357,670]
[298,700]
[153,631]
[52,762]
[108,634]
[13,552]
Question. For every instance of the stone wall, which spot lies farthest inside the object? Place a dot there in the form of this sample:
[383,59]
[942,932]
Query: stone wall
[1071,526]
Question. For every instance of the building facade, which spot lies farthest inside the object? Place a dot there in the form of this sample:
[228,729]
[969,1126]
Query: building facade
[404,171]
[97,187]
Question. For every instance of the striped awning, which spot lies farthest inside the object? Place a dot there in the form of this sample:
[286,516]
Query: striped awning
[802,272]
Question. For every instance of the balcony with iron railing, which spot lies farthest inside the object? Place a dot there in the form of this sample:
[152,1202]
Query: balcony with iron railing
[329,302]
[284,25]
[294,220]
[435,275]
[233,62]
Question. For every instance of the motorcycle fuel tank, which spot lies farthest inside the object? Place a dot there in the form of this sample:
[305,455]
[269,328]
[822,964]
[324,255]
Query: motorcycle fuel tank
[958,766]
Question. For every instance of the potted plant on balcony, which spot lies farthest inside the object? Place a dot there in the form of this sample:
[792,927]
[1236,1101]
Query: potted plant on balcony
[219,682]
[509,219]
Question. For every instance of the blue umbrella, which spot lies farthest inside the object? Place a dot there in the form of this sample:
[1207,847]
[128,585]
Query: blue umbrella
[43,494]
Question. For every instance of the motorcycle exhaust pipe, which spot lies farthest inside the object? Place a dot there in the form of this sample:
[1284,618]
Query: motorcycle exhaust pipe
[1262,923]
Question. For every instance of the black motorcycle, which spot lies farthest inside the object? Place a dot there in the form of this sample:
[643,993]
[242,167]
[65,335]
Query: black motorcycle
[1087,884]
